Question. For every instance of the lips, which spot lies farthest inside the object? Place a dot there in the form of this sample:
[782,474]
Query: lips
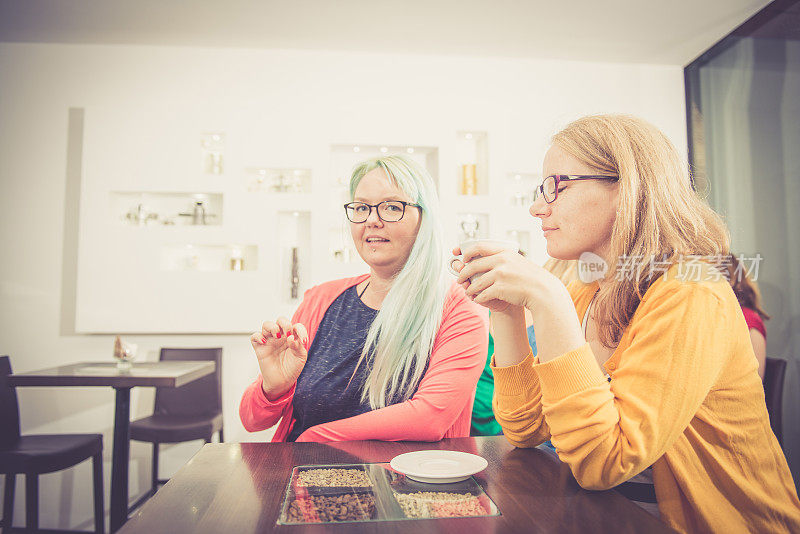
[376,239]
[546,230]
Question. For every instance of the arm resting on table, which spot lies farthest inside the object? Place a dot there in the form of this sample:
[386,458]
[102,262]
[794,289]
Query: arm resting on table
[517,403]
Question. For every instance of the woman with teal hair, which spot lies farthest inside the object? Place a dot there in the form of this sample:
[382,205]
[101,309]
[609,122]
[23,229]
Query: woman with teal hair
[393,354]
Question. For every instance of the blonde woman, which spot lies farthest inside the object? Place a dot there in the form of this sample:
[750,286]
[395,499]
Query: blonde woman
[654,376]
[390,355]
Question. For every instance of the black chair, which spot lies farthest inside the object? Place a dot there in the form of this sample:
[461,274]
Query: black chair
[190,412]
[774,374]
[33,455]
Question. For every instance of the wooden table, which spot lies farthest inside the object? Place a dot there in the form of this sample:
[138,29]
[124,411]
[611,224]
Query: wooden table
[240,488]
[169,374]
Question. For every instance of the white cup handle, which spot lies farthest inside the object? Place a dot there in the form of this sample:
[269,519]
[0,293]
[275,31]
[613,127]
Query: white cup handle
[450,264]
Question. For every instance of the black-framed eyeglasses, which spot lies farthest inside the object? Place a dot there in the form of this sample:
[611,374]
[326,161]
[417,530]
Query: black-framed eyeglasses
[388,210]
[550,185]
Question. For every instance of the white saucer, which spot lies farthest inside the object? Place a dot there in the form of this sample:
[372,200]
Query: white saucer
[438,467]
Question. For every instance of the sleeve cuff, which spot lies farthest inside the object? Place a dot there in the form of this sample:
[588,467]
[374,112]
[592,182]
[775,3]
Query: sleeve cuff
[514,379]
[572,372]
[281,401]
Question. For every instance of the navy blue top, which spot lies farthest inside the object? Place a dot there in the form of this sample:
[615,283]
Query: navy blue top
[322,393]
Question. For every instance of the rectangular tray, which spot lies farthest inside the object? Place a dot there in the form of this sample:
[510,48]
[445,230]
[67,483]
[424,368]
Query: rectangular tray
[390,497]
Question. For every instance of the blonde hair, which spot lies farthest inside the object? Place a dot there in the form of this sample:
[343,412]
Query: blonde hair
[564,270]
[659,216]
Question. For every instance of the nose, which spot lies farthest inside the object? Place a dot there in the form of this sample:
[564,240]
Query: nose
[373,219]
[540,208]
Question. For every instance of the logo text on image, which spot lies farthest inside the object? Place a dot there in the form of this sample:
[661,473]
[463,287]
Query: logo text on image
[591,267]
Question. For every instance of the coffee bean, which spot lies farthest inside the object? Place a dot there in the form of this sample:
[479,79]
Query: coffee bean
[327,508]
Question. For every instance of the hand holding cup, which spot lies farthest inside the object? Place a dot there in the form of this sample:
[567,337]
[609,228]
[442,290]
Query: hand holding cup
[472,260]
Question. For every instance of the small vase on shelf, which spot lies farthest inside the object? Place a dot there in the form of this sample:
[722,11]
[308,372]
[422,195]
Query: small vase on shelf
[469,179]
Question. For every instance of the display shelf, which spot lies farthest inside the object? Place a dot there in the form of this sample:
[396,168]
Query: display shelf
[464,203]
[520,219]
[143,267]
[472,154]
[472,225]
[522,238]
[341,259]
[340,246]
[515,195]
[278,180]
[155,208]
[294,253]
[213,152]
[209,258]
[345,156]
[520,188]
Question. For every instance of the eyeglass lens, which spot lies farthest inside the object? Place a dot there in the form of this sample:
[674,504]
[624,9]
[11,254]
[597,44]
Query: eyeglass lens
[547,189]
[388,211]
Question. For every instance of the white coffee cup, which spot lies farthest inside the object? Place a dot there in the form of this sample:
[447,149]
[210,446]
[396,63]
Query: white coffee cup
[497,245]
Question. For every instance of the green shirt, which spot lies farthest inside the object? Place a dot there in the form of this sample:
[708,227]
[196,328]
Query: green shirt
[483,421]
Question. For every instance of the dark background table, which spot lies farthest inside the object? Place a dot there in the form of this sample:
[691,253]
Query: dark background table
[240,487]
[171,374]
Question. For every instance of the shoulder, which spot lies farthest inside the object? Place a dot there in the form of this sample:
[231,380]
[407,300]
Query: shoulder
[333,288]
[695,278]
[463,331]
[317,299]
[456,297]
[459,307]
[692,286]
[754,320]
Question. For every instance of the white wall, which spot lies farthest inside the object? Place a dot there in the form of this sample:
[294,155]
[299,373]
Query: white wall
[305,101]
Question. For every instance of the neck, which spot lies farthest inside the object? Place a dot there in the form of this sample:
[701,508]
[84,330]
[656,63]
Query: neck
[604,253]
[378,288]
[379,283]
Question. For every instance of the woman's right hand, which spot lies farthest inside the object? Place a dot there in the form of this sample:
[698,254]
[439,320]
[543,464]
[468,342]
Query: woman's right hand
[282,349]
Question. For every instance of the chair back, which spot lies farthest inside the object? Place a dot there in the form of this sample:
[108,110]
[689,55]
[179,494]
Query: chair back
[774,374]
[9,407]
[200,397]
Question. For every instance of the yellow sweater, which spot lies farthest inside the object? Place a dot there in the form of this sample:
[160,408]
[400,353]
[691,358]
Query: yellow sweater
[684,397]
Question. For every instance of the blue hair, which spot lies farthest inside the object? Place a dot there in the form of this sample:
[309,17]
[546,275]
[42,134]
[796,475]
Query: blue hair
[401,337]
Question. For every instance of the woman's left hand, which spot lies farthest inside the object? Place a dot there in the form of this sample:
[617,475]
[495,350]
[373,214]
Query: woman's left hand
[498,279]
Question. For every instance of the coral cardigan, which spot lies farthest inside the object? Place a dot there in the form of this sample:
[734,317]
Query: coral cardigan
[440,408]
[684,397]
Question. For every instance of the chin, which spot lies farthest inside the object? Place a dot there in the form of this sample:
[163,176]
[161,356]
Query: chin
[561,253]
[378,261]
